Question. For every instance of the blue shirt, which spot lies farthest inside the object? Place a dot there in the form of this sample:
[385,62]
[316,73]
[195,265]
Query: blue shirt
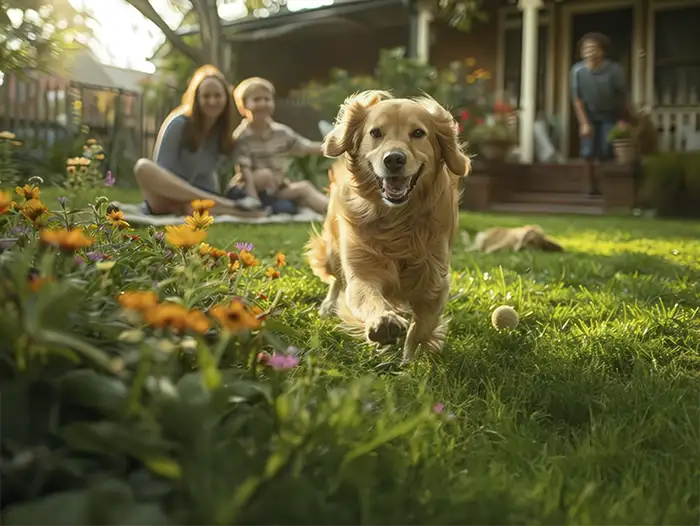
[197,168]
[602,90]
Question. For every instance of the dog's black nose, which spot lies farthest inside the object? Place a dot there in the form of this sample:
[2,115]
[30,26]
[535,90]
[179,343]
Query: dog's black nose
[394,161]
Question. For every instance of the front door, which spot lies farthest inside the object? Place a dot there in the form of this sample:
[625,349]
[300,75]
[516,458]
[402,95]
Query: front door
[618,26]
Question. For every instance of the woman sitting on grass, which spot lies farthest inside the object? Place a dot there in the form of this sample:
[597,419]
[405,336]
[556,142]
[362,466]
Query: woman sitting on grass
[192,141]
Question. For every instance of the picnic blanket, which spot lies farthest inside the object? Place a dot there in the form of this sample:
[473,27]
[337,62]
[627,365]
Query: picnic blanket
[133,214]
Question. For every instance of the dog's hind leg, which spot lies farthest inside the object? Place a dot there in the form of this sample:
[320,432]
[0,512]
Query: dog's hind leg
[329,306]
[428,327]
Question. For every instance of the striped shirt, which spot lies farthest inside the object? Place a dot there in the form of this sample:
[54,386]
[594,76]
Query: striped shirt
[272,150]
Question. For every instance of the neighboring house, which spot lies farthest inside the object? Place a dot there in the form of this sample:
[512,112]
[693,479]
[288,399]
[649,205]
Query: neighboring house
[43,96]
[656,41]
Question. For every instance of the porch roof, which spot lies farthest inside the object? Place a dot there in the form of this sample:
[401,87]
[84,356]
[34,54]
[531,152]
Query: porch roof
[348,13]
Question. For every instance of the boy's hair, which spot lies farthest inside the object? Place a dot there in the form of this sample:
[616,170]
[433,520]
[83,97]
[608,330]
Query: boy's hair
[598,38]
[246,87]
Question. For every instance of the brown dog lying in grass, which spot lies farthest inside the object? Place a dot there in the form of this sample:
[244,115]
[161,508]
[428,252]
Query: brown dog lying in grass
[394,199]
[523,238]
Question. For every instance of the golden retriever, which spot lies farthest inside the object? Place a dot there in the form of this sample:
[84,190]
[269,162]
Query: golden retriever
[522,238]
[394,199]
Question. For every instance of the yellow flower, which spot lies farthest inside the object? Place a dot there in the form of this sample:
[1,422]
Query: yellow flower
[100,156]
[247,259]
[33,210]
[28,192]
[66,240]
[281,259]
[486,75]
[471,62]
[202,205]
[17,143]
[7,135]
[184,236]
[5,202]
[272,273]
[199,220]
[234,266]
[115,217]
[234,317]
[139,300]
[471,79]
[90,142]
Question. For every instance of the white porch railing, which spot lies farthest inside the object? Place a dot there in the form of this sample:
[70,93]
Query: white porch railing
[678,127]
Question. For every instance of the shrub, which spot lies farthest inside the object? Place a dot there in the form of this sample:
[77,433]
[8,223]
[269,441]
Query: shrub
[621,130]
[663,182]
[145,380]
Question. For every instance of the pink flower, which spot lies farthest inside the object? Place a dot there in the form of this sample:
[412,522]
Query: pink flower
[438,408]
[282,362]
[110,180]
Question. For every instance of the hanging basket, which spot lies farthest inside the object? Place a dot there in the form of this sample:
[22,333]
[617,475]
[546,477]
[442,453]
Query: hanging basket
[495,150]
[625,151]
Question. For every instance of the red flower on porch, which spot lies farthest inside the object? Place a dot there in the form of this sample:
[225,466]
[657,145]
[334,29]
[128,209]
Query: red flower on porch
[464,115]
[502,107]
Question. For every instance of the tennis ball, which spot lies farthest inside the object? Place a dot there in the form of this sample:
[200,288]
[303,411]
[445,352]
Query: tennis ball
[504,317]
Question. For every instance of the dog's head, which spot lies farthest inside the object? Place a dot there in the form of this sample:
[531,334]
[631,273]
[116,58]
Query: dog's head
[533,237]
[396,145]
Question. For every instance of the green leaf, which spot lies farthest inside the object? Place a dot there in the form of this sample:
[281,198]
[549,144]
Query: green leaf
[280,328]
[90,389]
[110,438]
[69,508]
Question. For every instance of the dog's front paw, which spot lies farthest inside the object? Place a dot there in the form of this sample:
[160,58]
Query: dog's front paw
[327,309]
[386,329]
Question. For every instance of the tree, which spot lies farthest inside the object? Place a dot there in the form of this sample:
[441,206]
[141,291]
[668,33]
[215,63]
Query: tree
[33,33]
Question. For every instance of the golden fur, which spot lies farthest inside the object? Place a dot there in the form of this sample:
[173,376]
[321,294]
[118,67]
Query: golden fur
[522,238]
[379,260]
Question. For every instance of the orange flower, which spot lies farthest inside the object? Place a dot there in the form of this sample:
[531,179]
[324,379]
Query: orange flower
[234,317]
[183,236]
[199,220]
[66,240]
[281,259]
[139,300]
[197,322]
[37,282]
[5,202]
[272,273]
[115,217]
[33,210]
[257,312]
[233,267]
[28,192]
[247,259]
[167,315]
[202,205]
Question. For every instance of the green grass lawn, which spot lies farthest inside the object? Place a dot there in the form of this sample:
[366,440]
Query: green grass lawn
[589,412]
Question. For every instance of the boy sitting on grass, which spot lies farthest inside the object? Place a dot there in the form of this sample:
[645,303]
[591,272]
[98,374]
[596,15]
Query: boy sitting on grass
[262,151]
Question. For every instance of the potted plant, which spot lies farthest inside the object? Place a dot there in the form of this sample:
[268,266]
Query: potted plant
[494,137]
[624,146]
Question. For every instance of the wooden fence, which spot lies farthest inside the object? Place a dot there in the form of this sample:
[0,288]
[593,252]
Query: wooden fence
[48,114]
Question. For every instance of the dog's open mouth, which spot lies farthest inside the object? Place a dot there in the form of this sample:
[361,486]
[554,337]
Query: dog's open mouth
[397,190]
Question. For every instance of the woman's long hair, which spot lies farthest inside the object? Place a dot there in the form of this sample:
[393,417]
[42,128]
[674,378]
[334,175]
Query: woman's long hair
[190,108]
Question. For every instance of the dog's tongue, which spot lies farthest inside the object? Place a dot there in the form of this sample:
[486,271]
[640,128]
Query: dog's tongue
[396,187]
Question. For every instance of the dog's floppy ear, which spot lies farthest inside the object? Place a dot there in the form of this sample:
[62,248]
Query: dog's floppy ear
[447,132]
[350,117]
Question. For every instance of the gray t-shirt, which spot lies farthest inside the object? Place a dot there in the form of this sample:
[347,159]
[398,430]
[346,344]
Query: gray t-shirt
[197,168]
[602,90]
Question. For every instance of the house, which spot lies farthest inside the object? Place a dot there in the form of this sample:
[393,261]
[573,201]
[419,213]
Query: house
[530,46]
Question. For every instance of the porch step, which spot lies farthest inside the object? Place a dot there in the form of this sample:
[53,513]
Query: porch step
[557,198]
[564,178]
[546,208]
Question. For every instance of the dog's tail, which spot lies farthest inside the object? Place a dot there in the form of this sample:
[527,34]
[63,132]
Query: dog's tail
[319,255]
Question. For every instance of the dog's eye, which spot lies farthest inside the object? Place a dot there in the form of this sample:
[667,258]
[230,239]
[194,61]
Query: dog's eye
[376,133]
[418,133]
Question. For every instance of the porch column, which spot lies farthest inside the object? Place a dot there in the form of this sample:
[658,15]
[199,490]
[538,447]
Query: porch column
[528,86]
[420,17]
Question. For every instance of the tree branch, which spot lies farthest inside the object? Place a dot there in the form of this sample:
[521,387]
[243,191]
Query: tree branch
[146,9]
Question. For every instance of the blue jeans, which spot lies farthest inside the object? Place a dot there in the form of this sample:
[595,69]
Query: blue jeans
[596,145]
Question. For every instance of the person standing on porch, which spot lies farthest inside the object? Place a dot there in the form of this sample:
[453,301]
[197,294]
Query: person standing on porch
[600,99]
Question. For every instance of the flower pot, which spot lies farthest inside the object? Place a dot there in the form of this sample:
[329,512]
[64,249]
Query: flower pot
[495,150]
[625,151]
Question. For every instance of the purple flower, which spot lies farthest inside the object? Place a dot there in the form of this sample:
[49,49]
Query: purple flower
[63,200]
[282,362]
[110,180]
[79,261]
[248,247]
[159,236]
[96,256]
[438,408]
